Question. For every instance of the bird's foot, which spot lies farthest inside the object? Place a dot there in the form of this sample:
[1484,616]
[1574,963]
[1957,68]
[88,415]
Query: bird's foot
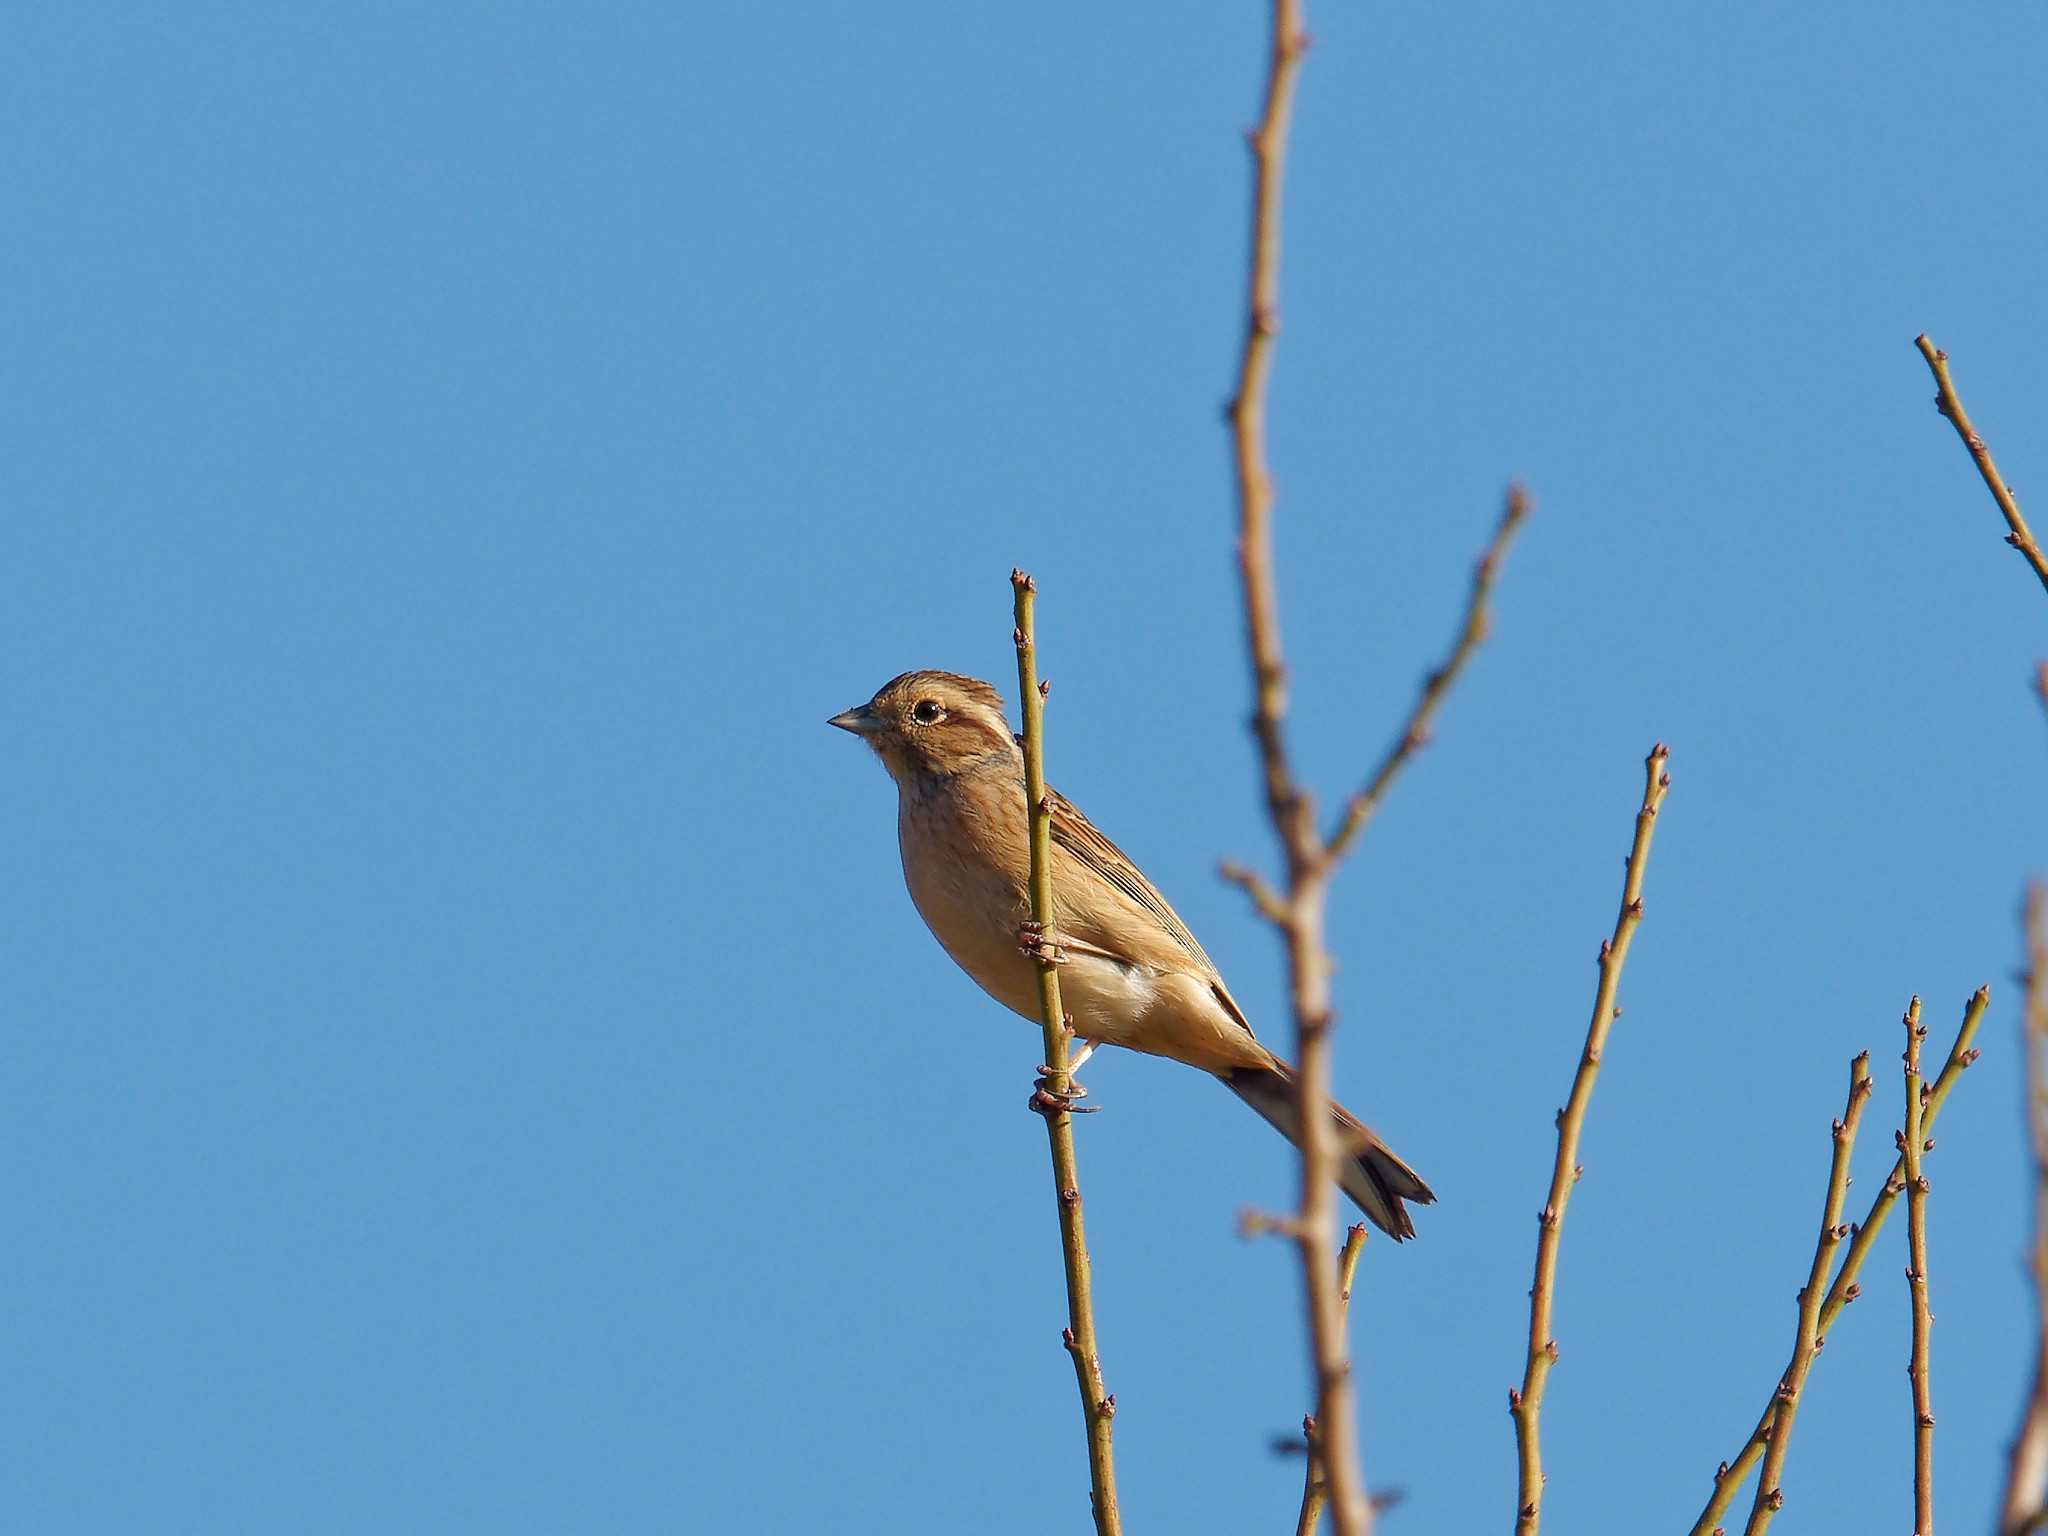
[1040,943]
[1044,1101]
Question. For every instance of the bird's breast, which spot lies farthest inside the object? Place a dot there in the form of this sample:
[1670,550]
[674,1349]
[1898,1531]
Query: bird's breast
[968,884]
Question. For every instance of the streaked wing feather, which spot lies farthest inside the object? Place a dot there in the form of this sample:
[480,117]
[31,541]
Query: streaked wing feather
[1081,839]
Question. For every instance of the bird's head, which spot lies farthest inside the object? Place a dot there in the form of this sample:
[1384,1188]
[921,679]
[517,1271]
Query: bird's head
[933,725]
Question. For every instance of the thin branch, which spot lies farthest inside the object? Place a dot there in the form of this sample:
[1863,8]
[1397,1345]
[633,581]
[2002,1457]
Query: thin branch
[1247,413]
[1526,1405]
[2025,1504]
[1292,813]
[1912,1142]
[1052,1098]
[1314,1490]
[1473,629]
[2021,537]
[1730,1476]
[1262,895]
[1770,1497]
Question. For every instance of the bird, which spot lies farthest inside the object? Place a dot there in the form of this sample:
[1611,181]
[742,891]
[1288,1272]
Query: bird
[1132,975]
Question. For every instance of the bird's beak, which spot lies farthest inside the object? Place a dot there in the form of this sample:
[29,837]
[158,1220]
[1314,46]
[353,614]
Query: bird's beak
[860,721]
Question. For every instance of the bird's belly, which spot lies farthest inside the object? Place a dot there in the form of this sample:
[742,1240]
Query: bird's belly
[1110,1001]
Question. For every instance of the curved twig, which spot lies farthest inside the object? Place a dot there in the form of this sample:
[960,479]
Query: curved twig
[1472,631]
[1950,403]
[1770,1498]
[1526,1405]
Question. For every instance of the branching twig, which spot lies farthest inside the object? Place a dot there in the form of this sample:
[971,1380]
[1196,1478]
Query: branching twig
[1912,1142]
[1052,1099]
[2025,1503]
[1313,1489]
[1770,1496]
[2021,537]
[1298,908]
[1526,1405]
[1301,922]
[1472,629]
[1730,1476]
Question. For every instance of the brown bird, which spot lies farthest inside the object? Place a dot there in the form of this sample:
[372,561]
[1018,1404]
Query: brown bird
[1132,973]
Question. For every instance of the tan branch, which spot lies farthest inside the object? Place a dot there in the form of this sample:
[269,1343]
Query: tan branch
[1730,1476]
[1300,917]
[1472,631]
[2025,1503]
[1526,1405]
[1262,895]
[1052,1098]
[1911,1144]
[1248,433]
[2021,537]
[1770,1497]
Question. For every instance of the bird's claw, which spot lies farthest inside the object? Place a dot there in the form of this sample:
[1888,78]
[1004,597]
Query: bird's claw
[1040,943]
[1044,1101]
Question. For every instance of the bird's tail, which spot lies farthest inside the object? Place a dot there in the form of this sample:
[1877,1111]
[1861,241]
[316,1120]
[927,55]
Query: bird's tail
[1375,1179]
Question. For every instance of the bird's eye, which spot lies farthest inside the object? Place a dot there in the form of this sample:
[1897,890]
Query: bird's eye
[927,712]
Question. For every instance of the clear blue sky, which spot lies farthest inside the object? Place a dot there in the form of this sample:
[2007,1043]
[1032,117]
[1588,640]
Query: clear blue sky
[470,1062]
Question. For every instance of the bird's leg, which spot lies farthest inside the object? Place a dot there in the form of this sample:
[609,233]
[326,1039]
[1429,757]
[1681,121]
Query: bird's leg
[1045,1102]
[1039,942]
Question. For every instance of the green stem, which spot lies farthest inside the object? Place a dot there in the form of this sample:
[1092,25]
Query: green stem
[1729,1479]
[1770,1497]
[1098,1408]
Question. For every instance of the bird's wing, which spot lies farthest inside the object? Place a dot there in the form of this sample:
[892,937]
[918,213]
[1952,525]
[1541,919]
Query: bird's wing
[1108,907]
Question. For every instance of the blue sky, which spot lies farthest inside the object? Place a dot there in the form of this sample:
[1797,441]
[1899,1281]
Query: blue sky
[471,1063]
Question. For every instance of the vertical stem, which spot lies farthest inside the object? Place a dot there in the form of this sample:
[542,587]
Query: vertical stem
[1308,863]
[1911,1145]
[1770,1497]
[1098,1409]
[1314,1490]
[1526,1405]
[1268,142]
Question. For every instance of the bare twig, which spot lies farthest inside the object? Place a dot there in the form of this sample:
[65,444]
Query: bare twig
[1770,1496]
[1911,1145]
[1262,895]
[1730,1476]
[1314,1490]
[2021,537]
[1292,813]
[2025,1503]
[1298,907]
[1526,1405]
[1247,413]
[1472,630]
[1052,1098]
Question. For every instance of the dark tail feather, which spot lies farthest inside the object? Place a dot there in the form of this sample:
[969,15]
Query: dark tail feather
[1375,1179]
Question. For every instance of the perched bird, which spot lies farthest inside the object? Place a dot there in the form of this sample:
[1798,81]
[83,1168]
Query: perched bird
[1132,974]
